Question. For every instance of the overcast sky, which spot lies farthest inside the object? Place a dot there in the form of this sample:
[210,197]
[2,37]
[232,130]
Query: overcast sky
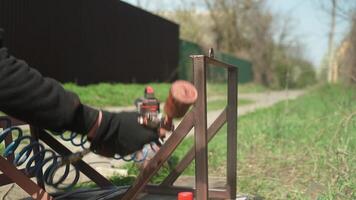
[310,24]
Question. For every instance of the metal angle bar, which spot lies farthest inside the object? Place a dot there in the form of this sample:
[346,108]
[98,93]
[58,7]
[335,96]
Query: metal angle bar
[213,61]
[190,155]
[167,190]
[23,181]
[232,132]
[200,126]
[81,165]
[161,156]
[4,180]
[174,190]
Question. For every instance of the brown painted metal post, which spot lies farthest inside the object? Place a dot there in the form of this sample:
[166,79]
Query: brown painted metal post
[201,140]
[232,132]
[190,155]
[161,156]
[4,180]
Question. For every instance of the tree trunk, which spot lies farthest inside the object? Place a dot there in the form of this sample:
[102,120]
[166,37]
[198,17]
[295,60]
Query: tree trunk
[333,68]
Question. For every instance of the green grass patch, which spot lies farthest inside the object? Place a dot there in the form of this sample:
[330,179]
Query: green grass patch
[106,94]
[300,149]
[220,89]
[115,179]
[2,148]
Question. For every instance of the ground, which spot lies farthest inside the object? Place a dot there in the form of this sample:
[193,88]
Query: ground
[108,167]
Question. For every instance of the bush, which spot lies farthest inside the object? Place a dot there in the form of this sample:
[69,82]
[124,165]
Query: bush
[294,73]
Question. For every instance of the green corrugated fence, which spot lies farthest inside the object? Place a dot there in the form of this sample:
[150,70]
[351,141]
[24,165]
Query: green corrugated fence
[185,70]
[214,74]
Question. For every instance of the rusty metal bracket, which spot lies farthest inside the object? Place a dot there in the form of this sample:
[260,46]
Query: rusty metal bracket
[197,118]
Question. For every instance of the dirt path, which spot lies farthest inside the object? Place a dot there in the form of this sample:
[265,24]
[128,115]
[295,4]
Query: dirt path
[261,100]
[108,167]
[267,99]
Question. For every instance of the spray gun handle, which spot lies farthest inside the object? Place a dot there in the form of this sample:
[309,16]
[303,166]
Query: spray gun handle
[167,123]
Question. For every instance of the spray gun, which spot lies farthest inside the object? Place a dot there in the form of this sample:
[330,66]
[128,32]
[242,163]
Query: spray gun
[148,108]
[181,96]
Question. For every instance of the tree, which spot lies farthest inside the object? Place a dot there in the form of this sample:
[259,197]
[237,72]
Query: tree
[336,9]
[243,27]
[332,72]
[261,46]
[346,55]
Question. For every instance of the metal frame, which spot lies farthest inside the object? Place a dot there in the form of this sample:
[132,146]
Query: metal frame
[13,175]
[196,118]
[37,191]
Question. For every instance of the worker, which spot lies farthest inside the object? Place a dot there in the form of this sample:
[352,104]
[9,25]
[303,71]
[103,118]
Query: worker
[41,101]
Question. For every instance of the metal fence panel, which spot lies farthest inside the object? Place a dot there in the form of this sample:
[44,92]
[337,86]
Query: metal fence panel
[245,68]
[91,41]
[186,48]
[214,74]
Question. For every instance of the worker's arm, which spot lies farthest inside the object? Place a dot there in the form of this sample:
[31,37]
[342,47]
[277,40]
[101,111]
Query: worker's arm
[28,96]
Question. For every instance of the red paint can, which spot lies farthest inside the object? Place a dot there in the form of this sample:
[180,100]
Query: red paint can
[185,196]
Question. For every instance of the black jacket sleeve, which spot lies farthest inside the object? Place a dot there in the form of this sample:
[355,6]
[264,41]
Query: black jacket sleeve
[27,95]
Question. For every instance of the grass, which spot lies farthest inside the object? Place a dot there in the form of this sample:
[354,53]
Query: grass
[300,149]
[105,94]
[219,89]
[221,103]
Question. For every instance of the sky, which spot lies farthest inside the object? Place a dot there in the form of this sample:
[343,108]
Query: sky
[309,23]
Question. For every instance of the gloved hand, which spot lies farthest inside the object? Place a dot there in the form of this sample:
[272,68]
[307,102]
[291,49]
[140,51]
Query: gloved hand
[122,134]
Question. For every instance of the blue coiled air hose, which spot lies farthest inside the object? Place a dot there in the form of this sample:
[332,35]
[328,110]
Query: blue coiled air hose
[42,160]
[46,161]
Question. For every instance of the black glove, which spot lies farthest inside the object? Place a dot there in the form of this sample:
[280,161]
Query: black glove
[122,134]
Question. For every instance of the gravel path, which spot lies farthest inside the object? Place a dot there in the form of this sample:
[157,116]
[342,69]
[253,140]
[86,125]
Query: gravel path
[108,167]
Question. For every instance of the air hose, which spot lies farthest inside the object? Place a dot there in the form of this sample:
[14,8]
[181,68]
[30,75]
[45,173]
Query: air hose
[41,160]
[56,169]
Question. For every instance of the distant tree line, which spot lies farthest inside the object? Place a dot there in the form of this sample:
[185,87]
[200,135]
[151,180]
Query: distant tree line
[247,29]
